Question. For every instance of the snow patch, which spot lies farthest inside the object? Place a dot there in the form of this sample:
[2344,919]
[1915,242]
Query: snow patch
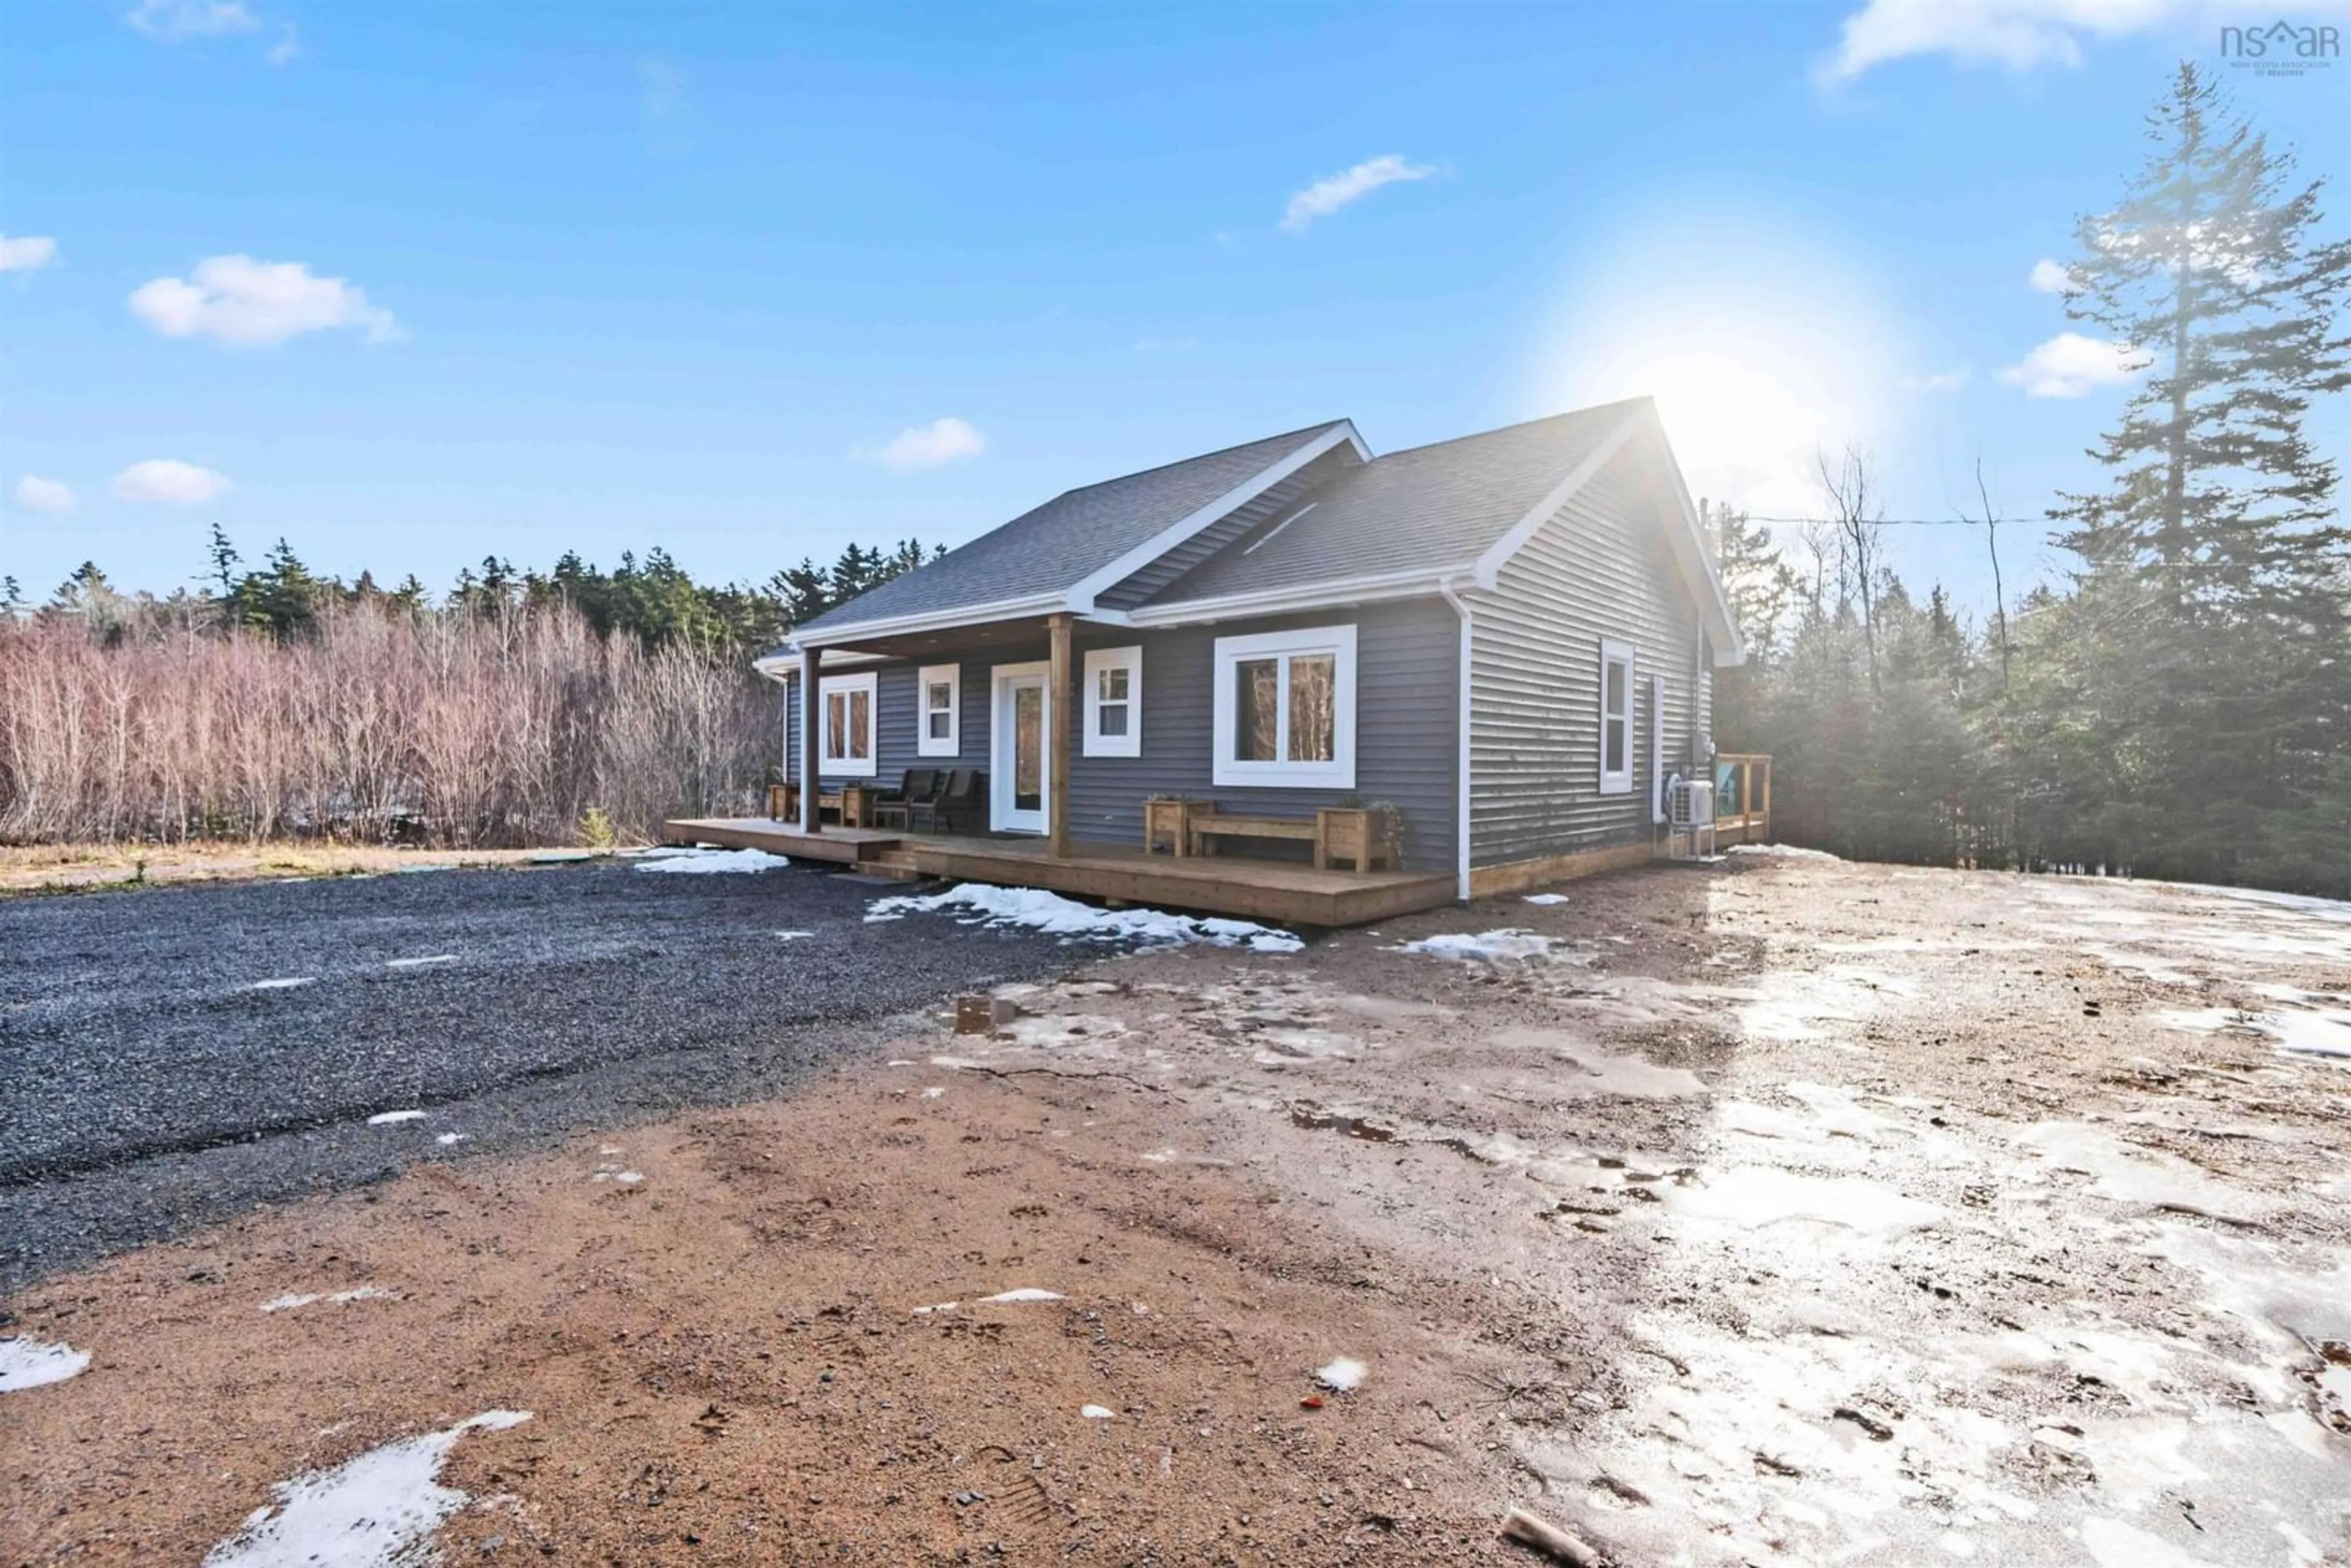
[2307,1024]
[1749,1197]
[387,1118]
[420,963]
[26,1363]
[1097,1412]
[706,861]
[377,1511]
[284,983]
[286,1303]
[1546,898]
[1783,852]
[793,935]
[1503,942]
[1024,1293]
[1343,1375]
[1051,914]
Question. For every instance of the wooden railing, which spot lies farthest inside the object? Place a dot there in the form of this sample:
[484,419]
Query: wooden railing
[1742,797]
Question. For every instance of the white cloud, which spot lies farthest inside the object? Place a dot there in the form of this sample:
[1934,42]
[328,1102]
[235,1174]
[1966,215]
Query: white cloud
[35,494]
[2023,35]
[932,445]
[176,21]
[2069,365]
[2051,276]
[1937,380]
[1327,196]
[288,47]
[236,299]
[171,482]
[27,252]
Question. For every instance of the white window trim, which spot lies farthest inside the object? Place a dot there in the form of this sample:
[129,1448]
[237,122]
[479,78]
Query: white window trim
[1339,773]
[924,678]
[1097,660]
[1615,653]
[870,764]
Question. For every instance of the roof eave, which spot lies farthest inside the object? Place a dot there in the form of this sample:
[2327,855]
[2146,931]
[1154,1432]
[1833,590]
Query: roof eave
[1687,542]
[1421,582]
[821,636]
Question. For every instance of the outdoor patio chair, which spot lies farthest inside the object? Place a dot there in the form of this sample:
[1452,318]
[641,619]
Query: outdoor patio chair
[959,805]
[892,807]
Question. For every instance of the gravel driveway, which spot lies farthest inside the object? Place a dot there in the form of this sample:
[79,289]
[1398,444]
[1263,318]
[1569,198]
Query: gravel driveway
[174,1057]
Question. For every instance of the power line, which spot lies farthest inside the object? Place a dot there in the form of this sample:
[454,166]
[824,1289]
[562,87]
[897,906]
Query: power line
[1898,522]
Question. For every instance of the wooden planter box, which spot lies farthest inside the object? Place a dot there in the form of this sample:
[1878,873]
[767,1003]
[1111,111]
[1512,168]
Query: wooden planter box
[1357,834]
[1169,823]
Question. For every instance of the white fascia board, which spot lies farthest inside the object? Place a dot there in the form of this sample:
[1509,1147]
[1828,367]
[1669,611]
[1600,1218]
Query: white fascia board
[929,621]
[1082,593]
[1327,595]
[1688,542]
[784,666]
[1490,564]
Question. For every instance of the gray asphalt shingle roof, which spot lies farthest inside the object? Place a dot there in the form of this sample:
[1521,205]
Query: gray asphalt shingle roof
[1075,534]
[1429,507]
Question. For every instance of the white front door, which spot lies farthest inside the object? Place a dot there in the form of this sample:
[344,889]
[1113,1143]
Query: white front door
[1019,770]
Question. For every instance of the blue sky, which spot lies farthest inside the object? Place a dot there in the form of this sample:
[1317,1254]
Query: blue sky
[411,284]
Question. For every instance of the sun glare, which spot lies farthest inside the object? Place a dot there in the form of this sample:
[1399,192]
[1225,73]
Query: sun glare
[1759,351]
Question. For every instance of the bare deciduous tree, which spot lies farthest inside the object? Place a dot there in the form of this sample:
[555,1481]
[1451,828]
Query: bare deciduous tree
[446,728]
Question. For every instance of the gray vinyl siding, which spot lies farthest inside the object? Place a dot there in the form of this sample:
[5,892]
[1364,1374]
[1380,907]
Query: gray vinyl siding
[1406,732]
[1600,569]
[1273,504]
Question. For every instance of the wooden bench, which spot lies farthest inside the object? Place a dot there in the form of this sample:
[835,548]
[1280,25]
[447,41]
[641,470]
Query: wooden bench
[1337,833]
[1208,828]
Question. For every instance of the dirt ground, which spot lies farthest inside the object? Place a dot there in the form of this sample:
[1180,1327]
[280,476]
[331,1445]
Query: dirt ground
[63,868]
[1788,1212]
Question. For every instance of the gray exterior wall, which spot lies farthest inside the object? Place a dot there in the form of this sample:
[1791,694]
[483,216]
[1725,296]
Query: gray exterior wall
[1406,733]
[1600,569]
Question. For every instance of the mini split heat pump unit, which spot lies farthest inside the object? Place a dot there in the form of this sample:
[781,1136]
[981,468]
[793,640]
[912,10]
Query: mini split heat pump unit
[1689,830]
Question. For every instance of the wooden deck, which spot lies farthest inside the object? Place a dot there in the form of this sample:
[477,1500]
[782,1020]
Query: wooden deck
[1239,885]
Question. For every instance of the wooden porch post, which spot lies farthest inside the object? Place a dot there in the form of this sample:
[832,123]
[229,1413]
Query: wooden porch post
[1057,740]
[811,717]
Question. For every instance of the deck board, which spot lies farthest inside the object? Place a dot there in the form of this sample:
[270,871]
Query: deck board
[1231,884]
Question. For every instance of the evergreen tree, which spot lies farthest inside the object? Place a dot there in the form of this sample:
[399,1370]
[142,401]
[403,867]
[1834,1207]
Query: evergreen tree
[226,561]
[2213,603]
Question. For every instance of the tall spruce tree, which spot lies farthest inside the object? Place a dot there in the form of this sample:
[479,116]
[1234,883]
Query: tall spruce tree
[2212,601]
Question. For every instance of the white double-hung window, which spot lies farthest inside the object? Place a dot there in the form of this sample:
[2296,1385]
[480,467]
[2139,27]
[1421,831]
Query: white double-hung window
[845,720]
[938,719]
[1114,688]
[1616,717]
[1285,709]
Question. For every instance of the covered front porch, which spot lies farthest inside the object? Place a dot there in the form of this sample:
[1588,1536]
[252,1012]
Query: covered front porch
[1277,892]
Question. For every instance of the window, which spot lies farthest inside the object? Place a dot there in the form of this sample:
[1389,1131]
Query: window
[1114,688]
[846,712]
[1285,708]
[1616,717]
[940,711]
